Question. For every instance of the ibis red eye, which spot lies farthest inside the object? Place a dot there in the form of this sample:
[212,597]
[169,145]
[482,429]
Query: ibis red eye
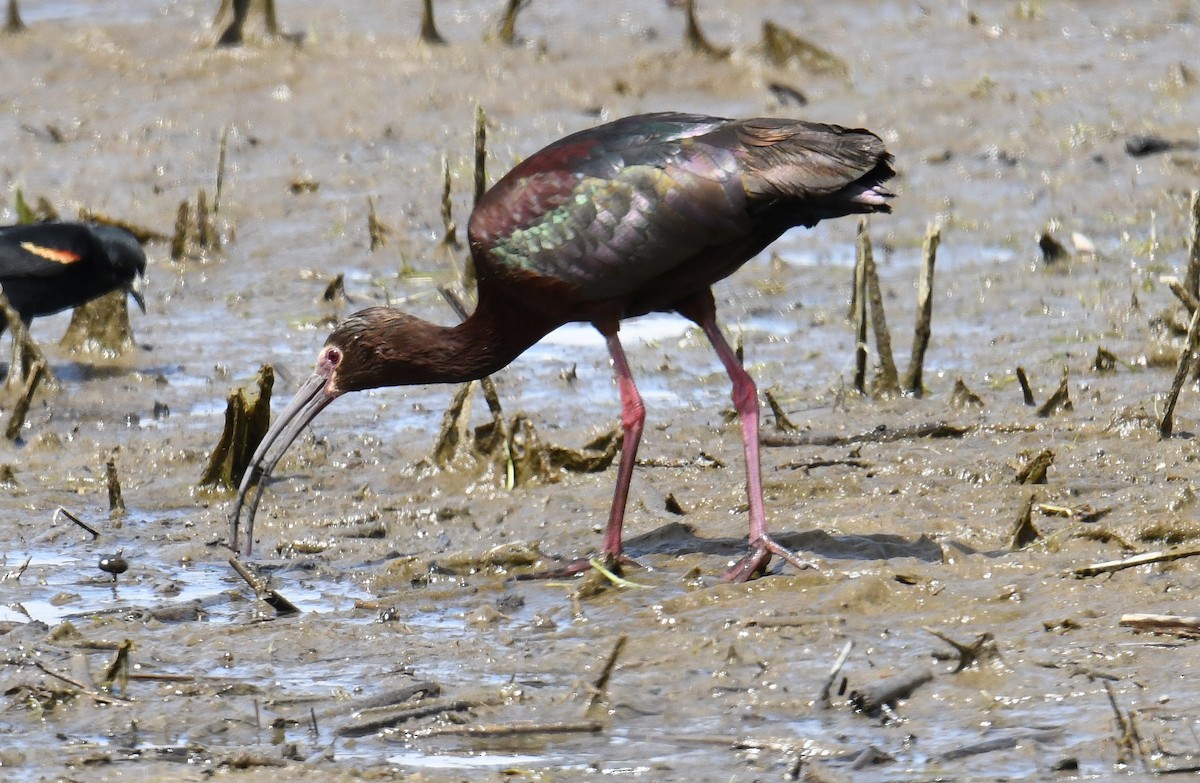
[333,356]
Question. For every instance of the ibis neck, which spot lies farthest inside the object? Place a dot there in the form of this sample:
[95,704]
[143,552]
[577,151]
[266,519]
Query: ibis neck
[490,339]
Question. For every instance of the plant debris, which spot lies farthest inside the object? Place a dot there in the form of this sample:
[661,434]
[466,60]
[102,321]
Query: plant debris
[247,418]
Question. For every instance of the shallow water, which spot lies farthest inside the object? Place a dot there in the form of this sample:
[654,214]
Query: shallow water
[1002,127]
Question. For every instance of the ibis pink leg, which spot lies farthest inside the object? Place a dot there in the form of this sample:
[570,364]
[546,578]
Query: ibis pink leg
[633,418]
[702,310]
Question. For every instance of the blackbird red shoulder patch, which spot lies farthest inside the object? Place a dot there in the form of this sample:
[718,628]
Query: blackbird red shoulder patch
[50,254]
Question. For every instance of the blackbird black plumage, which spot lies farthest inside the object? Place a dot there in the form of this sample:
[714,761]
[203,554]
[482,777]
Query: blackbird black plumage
[49,267]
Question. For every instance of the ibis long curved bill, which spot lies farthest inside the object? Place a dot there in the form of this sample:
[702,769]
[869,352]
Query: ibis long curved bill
[310,400]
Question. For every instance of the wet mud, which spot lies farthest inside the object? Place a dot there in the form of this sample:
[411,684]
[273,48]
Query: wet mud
[951,533]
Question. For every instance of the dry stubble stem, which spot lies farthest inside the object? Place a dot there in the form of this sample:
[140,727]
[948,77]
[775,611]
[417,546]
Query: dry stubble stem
[913,381]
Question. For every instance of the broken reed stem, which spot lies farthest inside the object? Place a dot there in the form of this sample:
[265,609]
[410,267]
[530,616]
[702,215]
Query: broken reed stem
[1026,391]
[376,230]
[272,598]
[451,236]
[116,503]
[95,533]
[507,32]
[695,37]
[1191,280]
[14,23]
[1185,297]
[600,686]
[216,208]
[21,409]
[429,31]
[513,729]
[480,152]
[26,352]
[916,367]
[270,19]
[839,662]
[232,36]
[179,239]
[1186,359]
[887,383]
[1126,735]
[860,322]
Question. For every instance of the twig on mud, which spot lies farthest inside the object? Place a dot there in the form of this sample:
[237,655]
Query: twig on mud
[600,686]
[95,533]
[374,724]
[889,690]
[1186,359]
[807,467]
[1006,740]
[934,429]
[1188,627]
[149,677]
[519,728]
[887,382]
[1026,392]
[924,328]
[15,576]
[82,688]
[982,649]
[838,663]
[270,597]
[1112,566]
[384,701]
[1185,296]
[1128,742]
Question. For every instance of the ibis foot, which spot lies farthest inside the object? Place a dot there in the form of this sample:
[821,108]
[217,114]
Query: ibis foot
[575,568]
[755,563]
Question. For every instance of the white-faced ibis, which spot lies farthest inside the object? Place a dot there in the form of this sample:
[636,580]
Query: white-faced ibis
[640,215]
[49,267]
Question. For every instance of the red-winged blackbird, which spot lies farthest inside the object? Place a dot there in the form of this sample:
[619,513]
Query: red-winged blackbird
[49,267]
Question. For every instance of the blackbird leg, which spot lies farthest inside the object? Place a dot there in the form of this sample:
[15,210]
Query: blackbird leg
[702,309]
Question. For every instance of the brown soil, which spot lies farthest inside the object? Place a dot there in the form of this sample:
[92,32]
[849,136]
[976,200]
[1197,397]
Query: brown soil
[1006,122]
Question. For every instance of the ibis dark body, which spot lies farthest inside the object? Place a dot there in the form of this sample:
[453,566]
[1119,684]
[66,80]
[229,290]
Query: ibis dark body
[639,215]
[49,267]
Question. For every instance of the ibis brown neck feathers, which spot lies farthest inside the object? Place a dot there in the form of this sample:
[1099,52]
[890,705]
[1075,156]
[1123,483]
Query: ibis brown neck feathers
[383,346]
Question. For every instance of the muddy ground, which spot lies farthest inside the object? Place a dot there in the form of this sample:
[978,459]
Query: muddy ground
[1007,119]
